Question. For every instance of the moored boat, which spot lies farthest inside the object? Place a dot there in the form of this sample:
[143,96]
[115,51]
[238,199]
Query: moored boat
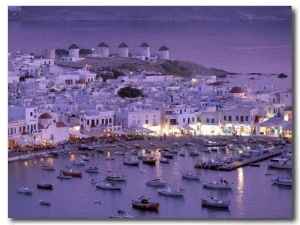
[70,172]
[221,184]
[44,202]
[131,162]
[48,167]
[156,182]
[62,176]
[145,204]
[25,190]
[215,202]
[164,160]
[108,185]
[171,191]
[92,169]
[192,175]
[287,181]
[117,176]
[149,160]
[43,185]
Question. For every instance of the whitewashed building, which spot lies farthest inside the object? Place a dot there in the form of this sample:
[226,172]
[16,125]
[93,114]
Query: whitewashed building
[164,52]
[123,50]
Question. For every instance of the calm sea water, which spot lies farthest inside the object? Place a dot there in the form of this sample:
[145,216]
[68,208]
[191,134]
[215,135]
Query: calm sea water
[242,47]
[253,195]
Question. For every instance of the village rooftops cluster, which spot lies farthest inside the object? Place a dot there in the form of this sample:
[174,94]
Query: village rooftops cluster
[48,104]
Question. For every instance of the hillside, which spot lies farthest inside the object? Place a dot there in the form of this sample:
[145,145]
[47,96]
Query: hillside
[173,67]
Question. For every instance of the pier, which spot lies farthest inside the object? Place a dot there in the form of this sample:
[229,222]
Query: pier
[252,159]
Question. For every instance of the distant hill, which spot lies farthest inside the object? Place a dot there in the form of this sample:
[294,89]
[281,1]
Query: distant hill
[184,69]
[150,13]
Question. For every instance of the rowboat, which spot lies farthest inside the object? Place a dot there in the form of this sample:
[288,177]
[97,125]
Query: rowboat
[145,204]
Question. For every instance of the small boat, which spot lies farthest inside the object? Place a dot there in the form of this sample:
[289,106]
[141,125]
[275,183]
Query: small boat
[287,181]
[44,202]
[222,184]
[98,201]
[190,175]
[121,214]
[145,203]
[93,181]
[62,176]
[108,185]
[25,190]
[84,158]
[164,160]
[156,182]
[131,162]
[70,172]
[92,169]
[215,202]
[116,176]
[137,145]
[78,162]
[149,160]
[44,185]
[48,167]
[167,155]
[171,191]
[152,144]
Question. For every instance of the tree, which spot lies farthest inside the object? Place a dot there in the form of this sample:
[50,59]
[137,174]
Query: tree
[129,92]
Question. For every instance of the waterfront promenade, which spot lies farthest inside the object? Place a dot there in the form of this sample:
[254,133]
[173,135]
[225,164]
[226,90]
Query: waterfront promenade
[154,143]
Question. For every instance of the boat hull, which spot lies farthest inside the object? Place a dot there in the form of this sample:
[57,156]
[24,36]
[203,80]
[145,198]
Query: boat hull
[45,186]
[215,203]
[71,173]
[149,206]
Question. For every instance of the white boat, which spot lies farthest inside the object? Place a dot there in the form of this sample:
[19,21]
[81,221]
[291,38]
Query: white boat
[171,191]
[215,202]
[116,176]
[121,214]
[281,164]
[137,145]
[190,175]
[173,151]
[78,162]
[25,190]
[156,182]
[193,152]
[84,158]
[62,176]
[44,202]
[92,169]
[221,184]
[287,181]
[108,185]
[48,167]
[131,162]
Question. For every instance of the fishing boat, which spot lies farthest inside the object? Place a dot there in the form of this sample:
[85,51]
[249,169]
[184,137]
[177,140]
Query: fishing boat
[92,169]
[108,185]
[71,172]
[144,203]
[215,202]
[48,167]
[192,175]
[62,176]
[156,182]
[43,185]
[25,190]
[44,202]
[221,184]
[287,181]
